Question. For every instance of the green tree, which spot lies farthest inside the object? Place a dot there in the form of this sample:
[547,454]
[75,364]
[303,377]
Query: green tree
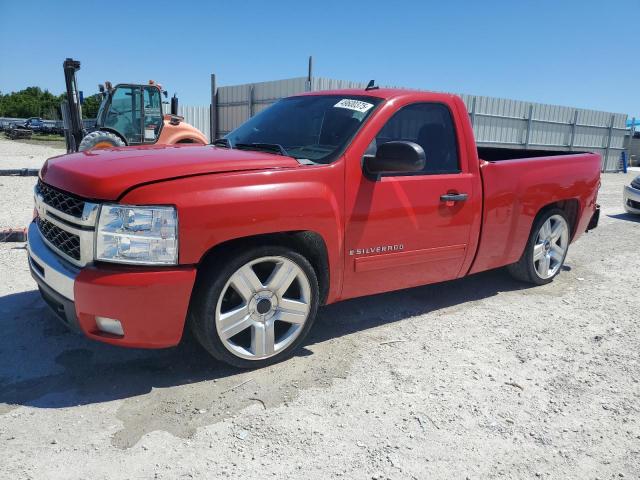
[35,102]
[91,105]
[30,102]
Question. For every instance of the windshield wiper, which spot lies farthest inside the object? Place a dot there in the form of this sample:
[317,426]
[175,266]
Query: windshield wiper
[265,147]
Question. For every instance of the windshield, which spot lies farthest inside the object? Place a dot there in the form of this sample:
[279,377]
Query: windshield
[313,127]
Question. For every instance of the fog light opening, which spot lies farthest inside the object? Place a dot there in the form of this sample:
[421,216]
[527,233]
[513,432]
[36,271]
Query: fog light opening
[109,325]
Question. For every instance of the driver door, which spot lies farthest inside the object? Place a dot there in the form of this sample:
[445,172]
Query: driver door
[399,231]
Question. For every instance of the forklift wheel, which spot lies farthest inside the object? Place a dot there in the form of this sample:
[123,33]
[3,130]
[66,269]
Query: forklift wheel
[100,139]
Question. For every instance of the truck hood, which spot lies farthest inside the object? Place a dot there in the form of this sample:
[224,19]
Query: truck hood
[106,174]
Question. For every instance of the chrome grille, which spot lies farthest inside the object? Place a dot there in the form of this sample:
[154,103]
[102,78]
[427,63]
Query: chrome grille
[66,242]
[59,200]
[66,223]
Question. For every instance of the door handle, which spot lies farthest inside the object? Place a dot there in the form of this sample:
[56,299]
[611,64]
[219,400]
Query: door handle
[454,197]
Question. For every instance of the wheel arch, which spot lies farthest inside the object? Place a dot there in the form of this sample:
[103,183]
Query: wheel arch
[570,207]
[114,131]
[307,243]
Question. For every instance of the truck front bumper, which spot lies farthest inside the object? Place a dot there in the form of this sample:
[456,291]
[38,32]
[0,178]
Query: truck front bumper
[150,304]
[631,199]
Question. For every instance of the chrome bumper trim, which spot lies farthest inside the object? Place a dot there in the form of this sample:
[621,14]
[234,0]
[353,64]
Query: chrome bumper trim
[58,274]
[630,193]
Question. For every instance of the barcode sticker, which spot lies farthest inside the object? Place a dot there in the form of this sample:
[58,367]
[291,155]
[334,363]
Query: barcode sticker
[357,105]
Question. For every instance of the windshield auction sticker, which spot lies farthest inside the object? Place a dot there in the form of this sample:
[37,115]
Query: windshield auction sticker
[357,105]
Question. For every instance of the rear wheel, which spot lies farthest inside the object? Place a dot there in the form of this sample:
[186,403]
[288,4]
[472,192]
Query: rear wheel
[257,308]
[546,249]
[100,139]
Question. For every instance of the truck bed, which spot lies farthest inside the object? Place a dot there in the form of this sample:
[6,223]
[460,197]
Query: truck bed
[515,191]
[497,154]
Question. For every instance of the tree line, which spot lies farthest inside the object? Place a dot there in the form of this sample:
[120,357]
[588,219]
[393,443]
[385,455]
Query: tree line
[35,102]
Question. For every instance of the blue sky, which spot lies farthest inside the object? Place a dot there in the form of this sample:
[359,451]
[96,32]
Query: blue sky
[553,51]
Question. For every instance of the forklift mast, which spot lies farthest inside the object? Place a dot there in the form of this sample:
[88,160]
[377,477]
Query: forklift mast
[71,108]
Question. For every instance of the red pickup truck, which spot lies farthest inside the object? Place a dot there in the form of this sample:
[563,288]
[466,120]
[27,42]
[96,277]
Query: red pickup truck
[321,197]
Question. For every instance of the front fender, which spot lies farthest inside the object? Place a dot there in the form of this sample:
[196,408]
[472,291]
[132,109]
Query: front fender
[218,208]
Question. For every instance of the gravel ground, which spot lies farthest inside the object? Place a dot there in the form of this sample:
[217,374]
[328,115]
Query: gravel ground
[24,154]
[16,197]
[16,192]
[477,378]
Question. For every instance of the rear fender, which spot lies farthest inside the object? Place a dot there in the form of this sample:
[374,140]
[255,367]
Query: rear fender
[516,191]
[180,133]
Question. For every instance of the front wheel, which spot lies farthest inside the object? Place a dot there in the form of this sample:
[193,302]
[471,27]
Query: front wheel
[100,139]
[255,309]
[546,249]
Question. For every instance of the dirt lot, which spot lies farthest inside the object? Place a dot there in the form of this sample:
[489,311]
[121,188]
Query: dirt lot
[27,153]
[478,378]
[15,208]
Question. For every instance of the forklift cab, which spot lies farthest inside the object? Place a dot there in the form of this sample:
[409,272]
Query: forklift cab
[134,112]
[129,114]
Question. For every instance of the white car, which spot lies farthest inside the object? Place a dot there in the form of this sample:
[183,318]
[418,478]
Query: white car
[631,196]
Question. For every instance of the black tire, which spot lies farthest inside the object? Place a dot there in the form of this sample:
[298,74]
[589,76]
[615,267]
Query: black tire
[210,284]
[524,269]
[101,139]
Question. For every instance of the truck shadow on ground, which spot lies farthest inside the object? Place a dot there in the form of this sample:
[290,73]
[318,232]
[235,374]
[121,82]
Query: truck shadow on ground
[626,216]
[45,366]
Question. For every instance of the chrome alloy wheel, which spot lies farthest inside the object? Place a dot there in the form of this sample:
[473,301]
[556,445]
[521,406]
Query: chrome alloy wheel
[263,307]
[551,246]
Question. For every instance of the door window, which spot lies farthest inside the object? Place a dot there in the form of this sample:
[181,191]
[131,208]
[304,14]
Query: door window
[429,125]
[152,114]
[124,113]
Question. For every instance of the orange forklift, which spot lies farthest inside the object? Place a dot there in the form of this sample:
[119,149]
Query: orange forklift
[129,114]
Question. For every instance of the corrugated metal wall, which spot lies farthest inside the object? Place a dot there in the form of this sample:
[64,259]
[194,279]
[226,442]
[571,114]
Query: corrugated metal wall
[633,146]
[237,103]
[518,124]
[198,116]
[496,121]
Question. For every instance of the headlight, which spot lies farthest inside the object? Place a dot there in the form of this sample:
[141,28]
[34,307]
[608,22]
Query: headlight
[138,235]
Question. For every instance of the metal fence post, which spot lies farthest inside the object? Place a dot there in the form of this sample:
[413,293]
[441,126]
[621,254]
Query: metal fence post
[529,121]
[606,152]
[574,126]
[251,102]
[473,112]
[213,111]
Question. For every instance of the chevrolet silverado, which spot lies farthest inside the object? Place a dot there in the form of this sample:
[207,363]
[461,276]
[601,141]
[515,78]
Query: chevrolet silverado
[321,197]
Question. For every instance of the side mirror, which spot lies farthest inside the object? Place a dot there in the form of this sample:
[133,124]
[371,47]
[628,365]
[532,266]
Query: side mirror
[396,157]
